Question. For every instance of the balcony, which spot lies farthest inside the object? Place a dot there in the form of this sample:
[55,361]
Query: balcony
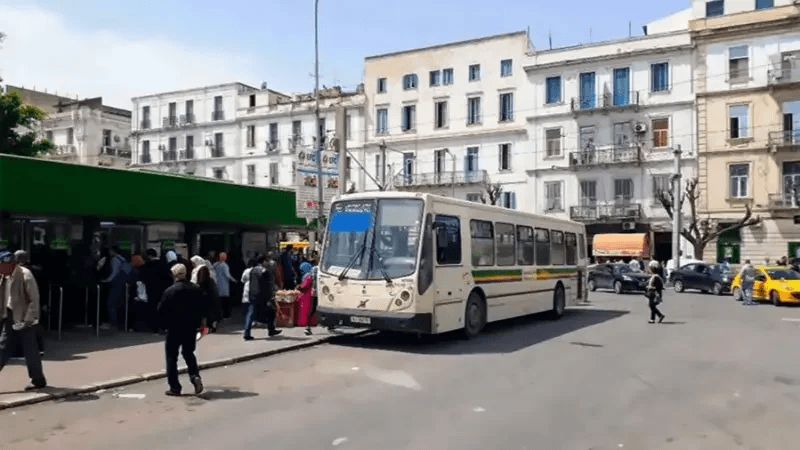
[170,155]
[170,122]
[115,151]
[294,142]
[441,179]
[187,153]
[145,124]
[615,212]
[217,152]
[273,145]
[784,75]
[218,115]
[605,102]
[187,119]
[787,139]
[145,158]
[612,155]
[778,202]
[64,150]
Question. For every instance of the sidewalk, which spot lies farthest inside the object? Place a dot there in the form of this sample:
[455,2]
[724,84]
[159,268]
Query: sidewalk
[81,362]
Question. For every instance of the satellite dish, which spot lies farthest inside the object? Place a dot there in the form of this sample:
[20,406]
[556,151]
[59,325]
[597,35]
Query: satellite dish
[264,85]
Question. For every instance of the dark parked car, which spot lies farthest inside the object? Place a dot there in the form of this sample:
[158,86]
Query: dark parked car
[704,277]
[619,277]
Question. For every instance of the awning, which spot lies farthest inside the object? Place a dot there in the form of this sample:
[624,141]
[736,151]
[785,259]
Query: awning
[621,245]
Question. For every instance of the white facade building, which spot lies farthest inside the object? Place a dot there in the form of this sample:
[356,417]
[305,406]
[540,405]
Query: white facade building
[236,132]
[604,121]
[450,118]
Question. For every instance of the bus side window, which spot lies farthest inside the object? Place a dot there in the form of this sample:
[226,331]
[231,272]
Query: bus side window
[482,242]
[572,248]
[425,277]
[525,245]
[448,240]
[557,254]
[542,247]
[581,246]
[505,244]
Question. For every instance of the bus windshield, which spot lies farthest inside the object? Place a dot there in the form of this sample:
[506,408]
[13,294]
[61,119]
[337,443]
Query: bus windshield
[373,239]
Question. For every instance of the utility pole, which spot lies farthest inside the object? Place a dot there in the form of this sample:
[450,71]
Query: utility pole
[341,140]
[677,209]
[383,164]
[321,211]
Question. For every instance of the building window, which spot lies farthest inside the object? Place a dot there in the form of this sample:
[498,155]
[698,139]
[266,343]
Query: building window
[410,81]
[219,173]
[409,117]
[623,135]
[587,139]
[553,142]
[471,160]
[189,110]
[660,133]
[145,152]
[145,117]
[553,87]
[251,174]
[173,147]
[661,185]
[715,8]
[474,72]
[447,76]
[273,174]
[381,121]
[763,4]
[273,135]
[473,111]
[251,136]
[49,135]
[473,197]
[554,200]
[435,76]
[173,113]
[70,136]
[739,121]
[189,147]
[505,157]
[107,138]
[440,114]
[659,77]
[508,200]
[506,244]
[218,151]
[506,107]
[252,101]
[381,85]
[588,193]
[448,240]
[482,234]
[297,130]
[506,68]
[738,64]
[348,126]
[622,86]
[587,90]
[739,174]
[438,163]
[623,190]
[218,114]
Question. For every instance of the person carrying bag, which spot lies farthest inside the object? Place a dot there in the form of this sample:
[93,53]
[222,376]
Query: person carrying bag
[654,292]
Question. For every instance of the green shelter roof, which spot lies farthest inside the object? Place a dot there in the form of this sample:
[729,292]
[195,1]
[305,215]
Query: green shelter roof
[51,188]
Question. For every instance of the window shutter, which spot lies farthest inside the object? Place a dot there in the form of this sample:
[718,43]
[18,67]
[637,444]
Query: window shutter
[513,200]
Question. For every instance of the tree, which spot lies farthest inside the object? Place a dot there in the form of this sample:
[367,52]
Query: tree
[699,231]
[493,190]
[18,122]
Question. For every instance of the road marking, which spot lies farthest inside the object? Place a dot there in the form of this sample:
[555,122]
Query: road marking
[790,319]
[136,396]
[478,409]
[338,441]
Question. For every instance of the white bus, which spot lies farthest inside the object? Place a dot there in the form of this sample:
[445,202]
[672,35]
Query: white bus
[428,264]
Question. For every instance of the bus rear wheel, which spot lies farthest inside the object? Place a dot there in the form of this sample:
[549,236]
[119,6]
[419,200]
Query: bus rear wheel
[474,315]
[559,303]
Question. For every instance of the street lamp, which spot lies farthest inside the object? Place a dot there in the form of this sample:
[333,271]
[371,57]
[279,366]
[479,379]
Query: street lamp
[321,210]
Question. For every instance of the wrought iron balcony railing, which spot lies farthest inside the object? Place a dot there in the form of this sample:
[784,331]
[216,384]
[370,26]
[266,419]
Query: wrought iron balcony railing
[787,138]
[145,158]
[187,153]
[218,115]
[605,101]
[612,155]
[169,122]
[611,212]
[441,179]
[187,119]
[115,151]
[783,201]
[217,152]
[784,75]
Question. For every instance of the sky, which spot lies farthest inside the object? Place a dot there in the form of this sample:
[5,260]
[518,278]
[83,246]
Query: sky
[119,49]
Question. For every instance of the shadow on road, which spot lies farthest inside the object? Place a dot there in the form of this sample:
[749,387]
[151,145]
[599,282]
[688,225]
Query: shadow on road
[226,394]
[500,337]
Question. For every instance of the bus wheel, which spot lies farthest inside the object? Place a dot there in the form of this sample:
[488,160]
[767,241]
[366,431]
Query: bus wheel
[474,315]
[559,303]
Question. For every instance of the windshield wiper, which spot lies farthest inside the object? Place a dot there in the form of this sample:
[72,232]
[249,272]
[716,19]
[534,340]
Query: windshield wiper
[374,252]
[358,254]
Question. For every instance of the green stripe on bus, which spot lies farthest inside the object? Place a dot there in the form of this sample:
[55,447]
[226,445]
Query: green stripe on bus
[494,276]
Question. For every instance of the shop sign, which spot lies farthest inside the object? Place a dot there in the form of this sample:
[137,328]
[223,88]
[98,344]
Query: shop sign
[59,244]
[306,175]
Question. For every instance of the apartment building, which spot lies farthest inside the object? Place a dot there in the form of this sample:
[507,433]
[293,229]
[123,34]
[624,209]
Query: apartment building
[450,119]
[604,120]
[83,131]
[747,83]
[236,132]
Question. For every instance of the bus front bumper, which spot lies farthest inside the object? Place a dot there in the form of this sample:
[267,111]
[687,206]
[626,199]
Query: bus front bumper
[376,320]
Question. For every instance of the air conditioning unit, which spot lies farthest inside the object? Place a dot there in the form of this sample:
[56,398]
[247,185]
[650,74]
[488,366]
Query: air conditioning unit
[640,127]
[629,226]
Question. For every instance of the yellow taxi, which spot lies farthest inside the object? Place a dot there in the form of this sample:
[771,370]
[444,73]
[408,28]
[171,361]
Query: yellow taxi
[774,283]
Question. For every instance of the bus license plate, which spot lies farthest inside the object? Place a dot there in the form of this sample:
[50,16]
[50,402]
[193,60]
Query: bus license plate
[361,320]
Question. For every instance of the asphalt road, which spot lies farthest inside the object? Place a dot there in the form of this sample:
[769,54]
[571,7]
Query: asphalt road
[715,375]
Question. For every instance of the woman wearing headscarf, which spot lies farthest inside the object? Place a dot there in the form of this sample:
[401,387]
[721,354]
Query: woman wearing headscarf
[224,279]
[306,288]
[209,290]
[198,262]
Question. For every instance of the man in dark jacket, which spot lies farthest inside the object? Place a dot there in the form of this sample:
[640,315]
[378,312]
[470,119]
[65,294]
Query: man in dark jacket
[262,299]
[156,276]
[288,264]
[183,310]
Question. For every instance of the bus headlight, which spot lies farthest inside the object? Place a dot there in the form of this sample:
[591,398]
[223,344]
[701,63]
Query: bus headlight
[330,297]
[405,296]
[326,290]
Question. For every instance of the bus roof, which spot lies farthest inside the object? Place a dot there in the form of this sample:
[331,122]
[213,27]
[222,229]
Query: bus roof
[439,198]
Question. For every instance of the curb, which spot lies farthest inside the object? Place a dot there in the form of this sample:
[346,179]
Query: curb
[40,397]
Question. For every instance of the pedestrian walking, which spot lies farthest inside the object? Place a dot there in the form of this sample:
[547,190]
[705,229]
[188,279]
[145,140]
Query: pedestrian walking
[183,309]
[654,292]
[262,299]
[156,277]
[287,264]
[246,281]
[120,273]
[19,316]
[23,258]
[748,276]
[210,297]
[224,279]
[307,296]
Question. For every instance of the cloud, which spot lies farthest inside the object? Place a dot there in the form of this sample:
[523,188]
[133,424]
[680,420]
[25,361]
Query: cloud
[41,50]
